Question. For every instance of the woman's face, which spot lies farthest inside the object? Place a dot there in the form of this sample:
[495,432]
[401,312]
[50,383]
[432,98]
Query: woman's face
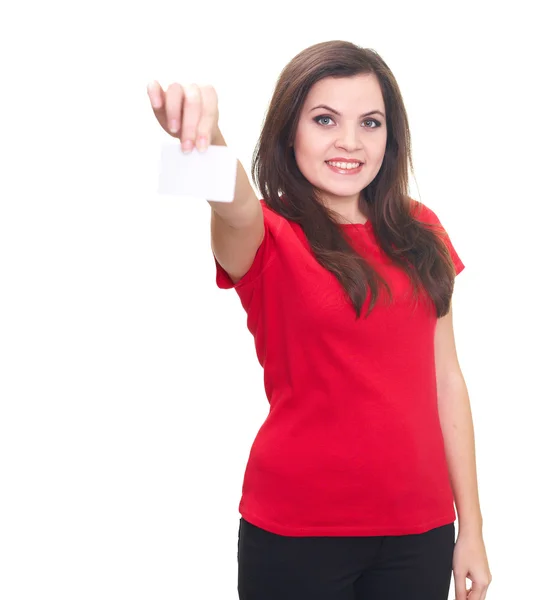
[351,129]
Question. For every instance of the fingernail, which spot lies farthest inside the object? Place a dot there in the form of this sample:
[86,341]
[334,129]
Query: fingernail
[174,126]
[201,144]
[187,146]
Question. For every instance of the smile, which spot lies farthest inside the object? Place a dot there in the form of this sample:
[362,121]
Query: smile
[343,168]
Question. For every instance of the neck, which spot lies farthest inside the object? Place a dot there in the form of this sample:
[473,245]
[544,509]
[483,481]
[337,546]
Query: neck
[346,211]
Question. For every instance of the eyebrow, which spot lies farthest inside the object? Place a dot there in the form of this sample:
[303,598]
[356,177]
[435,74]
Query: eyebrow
[372,112]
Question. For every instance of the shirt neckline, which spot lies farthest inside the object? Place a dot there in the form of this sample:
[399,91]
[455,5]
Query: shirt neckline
[356,225]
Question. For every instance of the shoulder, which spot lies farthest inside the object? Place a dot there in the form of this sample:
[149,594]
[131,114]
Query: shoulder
[270,213]
[423,213]
[273,221]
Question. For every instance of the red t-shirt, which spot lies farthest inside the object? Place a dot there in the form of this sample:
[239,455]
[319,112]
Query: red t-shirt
[352,444]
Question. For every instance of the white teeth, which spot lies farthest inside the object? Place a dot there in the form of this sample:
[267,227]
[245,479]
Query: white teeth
[343,165]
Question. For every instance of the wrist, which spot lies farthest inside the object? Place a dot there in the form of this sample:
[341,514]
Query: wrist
[472,526]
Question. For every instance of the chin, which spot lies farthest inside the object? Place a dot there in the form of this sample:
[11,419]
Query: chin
[342,192]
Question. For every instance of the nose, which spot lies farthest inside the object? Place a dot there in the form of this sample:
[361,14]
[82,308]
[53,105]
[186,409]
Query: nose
[348,139]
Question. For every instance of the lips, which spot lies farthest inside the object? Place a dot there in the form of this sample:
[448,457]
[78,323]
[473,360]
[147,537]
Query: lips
[340,171]
[345,160]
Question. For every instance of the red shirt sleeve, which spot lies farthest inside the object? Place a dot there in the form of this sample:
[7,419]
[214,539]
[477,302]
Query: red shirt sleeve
[264,256]
[427,215]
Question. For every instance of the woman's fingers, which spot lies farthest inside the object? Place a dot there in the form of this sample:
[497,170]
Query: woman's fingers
[188,112]
[154,92]
[174,107]
[191,116]
[157,99]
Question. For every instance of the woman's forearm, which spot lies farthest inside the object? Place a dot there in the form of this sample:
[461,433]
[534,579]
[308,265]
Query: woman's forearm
[459,441]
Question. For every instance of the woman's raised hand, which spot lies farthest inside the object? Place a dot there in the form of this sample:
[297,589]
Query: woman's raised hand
[188,112]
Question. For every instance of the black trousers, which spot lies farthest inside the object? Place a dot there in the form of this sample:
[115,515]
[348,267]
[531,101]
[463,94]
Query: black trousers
[408,567]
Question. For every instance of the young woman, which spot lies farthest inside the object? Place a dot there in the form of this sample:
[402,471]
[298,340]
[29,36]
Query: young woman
[347,282]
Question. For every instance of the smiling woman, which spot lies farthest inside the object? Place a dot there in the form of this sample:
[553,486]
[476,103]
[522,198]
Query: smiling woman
[347,284]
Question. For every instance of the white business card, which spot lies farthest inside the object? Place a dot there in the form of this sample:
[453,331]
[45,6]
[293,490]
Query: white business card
[209,175]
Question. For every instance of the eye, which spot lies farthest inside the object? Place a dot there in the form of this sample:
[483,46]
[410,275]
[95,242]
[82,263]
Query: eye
[373,122]
[318,119]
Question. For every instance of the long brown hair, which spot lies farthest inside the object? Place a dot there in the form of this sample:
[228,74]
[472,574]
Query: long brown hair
[414,246]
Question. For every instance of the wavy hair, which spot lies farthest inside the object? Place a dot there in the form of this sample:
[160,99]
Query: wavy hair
[415,246]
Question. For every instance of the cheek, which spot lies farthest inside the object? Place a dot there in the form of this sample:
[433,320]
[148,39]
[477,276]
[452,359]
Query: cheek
[308,153]
[304,143]
[376,155]
[313,140]
[377,144]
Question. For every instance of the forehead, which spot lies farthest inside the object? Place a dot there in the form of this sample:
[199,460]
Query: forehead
[344,93]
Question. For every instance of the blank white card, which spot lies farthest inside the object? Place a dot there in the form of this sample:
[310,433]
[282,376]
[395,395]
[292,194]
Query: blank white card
[209,175]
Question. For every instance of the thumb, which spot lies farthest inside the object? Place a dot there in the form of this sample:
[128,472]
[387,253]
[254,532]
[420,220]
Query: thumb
[460,587]
[475,592]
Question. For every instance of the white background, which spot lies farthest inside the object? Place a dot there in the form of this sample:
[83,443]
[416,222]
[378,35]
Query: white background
[129,386]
